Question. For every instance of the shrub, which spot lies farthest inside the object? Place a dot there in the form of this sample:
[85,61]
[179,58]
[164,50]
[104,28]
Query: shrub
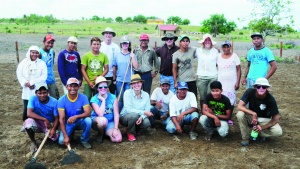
[145,28]
[243,59]
[241,33]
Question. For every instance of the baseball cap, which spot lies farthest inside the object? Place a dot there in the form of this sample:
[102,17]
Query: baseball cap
[72,39]
[144,37]
[39,86]
[124,39]
[182,85]
[181,37]
[164,81]
[49,37]
[226,43]
[256,34]
[72,80]
[262,81]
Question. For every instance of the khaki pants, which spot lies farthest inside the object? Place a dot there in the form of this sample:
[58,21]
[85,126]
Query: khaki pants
[244,121]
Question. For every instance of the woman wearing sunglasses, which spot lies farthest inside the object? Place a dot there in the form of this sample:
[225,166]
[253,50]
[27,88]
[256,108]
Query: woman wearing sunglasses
[105,114]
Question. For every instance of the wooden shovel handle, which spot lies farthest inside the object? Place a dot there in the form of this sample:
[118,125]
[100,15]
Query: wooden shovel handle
[42,144]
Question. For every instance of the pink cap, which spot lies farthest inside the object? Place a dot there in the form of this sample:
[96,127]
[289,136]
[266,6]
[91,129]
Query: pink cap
[49,37]
[144,37]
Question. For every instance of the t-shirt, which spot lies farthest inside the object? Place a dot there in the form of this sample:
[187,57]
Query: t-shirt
[259,62]
[220,106]
[48,110]
[159,96]
[207,62]
[110,51]
[72,107]
[109,103]
[48,58]
[69,65]
[178,106]
[94,64]
[121,61]
[266,107]
[185,65]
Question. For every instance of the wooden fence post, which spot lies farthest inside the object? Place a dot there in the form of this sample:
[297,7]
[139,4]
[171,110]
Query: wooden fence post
[17,51]
[280,49]
[232,44]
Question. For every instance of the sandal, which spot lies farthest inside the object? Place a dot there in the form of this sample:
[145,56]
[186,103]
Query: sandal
[230,122]
[33,147]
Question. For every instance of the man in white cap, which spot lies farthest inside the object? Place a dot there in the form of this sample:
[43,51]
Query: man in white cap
[110,49]
[74,112]
[42,115]
[259,58]
[69,63]
[262,114]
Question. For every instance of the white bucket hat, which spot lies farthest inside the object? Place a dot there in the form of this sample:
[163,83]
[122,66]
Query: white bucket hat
[207,36]
[72,39]
[109,30]
[262,81]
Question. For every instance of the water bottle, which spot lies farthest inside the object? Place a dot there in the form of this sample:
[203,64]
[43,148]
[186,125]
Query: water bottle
[254,134]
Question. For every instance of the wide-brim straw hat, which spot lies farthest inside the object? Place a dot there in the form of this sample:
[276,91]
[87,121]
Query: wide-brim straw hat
[109,30]
[205,36]
[136,78]
[101,79]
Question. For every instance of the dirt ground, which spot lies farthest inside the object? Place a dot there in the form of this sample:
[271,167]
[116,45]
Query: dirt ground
[157,148]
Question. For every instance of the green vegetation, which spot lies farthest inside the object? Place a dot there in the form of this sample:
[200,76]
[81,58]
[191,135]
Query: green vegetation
[277,58]
[31,19]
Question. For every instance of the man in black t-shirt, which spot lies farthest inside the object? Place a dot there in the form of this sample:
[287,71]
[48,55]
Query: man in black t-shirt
[216,111]
[262,114]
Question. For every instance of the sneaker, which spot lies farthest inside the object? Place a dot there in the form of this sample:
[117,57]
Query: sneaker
[86,145]
[193,135]
[230,122]
[262,139]
[208,137]
[245,142]
[130,136]
[99,138]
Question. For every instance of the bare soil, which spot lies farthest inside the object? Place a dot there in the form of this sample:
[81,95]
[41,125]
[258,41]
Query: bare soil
[156,148]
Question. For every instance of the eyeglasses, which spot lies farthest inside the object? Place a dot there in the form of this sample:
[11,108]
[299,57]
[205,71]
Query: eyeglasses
[101,87]
[260,86]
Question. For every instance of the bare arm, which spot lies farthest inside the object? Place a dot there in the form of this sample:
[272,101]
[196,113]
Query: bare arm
[246,73]
[174,71]
[105,70]
[63,126]
[116,114]
[238,78]
[85,76]
[242,107]
[272,69]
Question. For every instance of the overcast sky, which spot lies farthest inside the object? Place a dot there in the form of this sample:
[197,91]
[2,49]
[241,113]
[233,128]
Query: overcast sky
[194,10]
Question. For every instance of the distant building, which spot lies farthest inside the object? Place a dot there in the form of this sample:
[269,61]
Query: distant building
[155,21]
[163,29]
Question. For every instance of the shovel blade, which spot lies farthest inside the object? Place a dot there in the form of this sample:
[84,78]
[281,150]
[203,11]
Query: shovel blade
[71,158]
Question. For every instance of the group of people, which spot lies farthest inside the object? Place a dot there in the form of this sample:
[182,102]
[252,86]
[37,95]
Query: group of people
[117,83]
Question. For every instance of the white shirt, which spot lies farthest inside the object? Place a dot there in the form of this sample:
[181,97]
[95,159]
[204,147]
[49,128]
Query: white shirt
[207,61]
[110,51]
[164,99]
[178,106]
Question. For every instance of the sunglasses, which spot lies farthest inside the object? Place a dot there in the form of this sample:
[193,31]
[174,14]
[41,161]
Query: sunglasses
[169,39]
[260,86]
[101,87]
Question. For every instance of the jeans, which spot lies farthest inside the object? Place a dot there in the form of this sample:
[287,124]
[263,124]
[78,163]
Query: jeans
[208,124]
[246,127]
[125,87]
[250,83]
[187,119]
[171,80]
[84,124]
[147,77]
[156,115]
[53,91]
[130,119]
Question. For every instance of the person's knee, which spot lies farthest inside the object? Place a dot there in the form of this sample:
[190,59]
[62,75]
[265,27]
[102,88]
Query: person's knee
[223,131]
[276,132]
[240,115]
[88,121]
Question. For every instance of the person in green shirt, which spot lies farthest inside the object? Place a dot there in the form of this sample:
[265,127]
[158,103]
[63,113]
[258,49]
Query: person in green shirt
[93,64]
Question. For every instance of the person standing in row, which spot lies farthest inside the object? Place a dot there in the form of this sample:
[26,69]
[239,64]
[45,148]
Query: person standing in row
[183,65]
[124,62]
[229,74]
[165,53]
[94,64]
[30,72]
[47,54]
[69,63]
[259,58]
[146,58]
[207,66]
[110,49]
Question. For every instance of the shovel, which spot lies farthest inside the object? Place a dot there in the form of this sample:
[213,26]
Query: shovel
[71,158]
[33,164]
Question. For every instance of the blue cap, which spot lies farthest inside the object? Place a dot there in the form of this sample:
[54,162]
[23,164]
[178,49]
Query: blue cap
[182,85]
